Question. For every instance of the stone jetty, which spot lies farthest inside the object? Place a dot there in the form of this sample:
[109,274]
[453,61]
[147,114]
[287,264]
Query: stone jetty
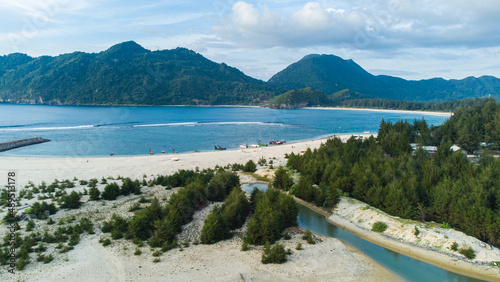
[9,145]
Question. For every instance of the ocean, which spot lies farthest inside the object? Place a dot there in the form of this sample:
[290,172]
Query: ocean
[134,130]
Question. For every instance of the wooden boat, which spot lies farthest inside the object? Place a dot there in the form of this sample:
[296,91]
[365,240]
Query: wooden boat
[262,145]
[253,146]
[277,142]
[243,146]
[219,148]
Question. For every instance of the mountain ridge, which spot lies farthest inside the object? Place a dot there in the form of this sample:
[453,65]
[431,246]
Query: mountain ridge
[330,73]
[128,74]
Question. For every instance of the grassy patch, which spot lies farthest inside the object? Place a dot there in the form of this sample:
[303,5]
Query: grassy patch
[467,252]
[379,226]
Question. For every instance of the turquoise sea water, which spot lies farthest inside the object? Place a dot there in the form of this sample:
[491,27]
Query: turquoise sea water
[101,130]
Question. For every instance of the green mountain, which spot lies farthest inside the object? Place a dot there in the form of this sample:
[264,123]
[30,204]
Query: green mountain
[127,74]
[330,74]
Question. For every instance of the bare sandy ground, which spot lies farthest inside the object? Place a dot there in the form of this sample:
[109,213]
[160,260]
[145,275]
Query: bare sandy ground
[329,259]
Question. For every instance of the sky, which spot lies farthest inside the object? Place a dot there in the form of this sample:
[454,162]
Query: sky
[412,39]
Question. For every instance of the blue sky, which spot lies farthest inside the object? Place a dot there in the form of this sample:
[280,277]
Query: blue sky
[412,39]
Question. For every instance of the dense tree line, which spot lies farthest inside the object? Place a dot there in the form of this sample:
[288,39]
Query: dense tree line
[273,213]
[470,127]
[386,174]
[161,223]
[447,106]
[231,215]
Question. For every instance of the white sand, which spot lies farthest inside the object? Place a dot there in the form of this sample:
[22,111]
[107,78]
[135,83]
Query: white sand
[47,169]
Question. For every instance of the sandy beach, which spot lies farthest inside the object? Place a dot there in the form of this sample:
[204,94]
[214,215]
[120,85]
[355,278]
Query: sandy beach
[222,261]
[38,169]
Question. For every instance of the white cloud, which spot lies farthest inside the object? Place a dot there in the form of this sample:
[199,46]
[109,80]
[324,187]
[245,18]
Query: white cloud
[245,15]
[312,16]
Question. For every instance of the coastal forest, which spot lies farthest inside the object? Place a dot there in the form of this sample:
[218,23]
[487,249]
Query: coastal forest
[384,172]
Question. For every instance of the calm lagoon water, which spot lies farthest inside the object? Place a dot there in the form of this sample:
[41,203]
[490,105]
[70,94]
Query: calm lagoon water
[101,130]
[407,268]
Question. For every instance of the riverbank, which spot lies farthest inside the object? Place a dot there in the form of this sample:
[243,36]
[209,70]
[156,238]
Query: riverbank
[382,110]
[357,217]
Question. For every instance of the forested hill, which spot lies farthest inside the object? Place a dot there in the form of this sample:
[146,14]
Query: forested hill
[127,74]
[384,172]
[329,73]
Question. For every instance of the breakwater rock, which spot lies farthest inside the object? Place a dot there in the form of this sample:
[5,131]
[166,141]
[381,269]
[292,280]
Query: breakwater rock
[9,145]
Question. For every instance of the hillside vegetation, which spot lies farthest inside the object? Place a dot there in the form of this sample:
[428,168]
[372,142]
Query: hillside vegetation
[127,74]
[329,73]
[384,172]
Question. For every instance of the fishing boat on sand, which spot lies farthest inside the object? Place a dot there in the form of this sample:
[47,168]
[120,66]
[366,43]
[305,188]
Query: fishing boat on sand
[243,146]
[277,142]
[219,148]
[253,146]
[262,145]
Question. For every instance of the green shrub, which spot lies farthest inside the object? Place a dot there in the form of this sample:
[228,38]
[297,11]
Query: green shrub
[72,201]
[137,252]
[40,257]
[308,237]
[244,246]
[445,225]
[143,200]
[299,246]
[94,194]
[416,232]
[250,166]
[215,228]
[106,242]
[468,252]
[454,246]
[30,225]
[48,259]
[111,191]
[379,226]
[136,206]
[276,254]
[21,263]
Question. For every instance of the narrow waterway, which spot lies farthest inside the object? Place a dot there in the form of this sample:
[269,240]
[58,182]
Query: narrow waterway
[408,268]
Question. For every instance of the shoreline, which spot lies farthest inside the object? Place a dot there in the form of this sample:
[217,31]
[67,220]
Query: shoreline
[37,169]
[432,257]
[240,106]
[383,110]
